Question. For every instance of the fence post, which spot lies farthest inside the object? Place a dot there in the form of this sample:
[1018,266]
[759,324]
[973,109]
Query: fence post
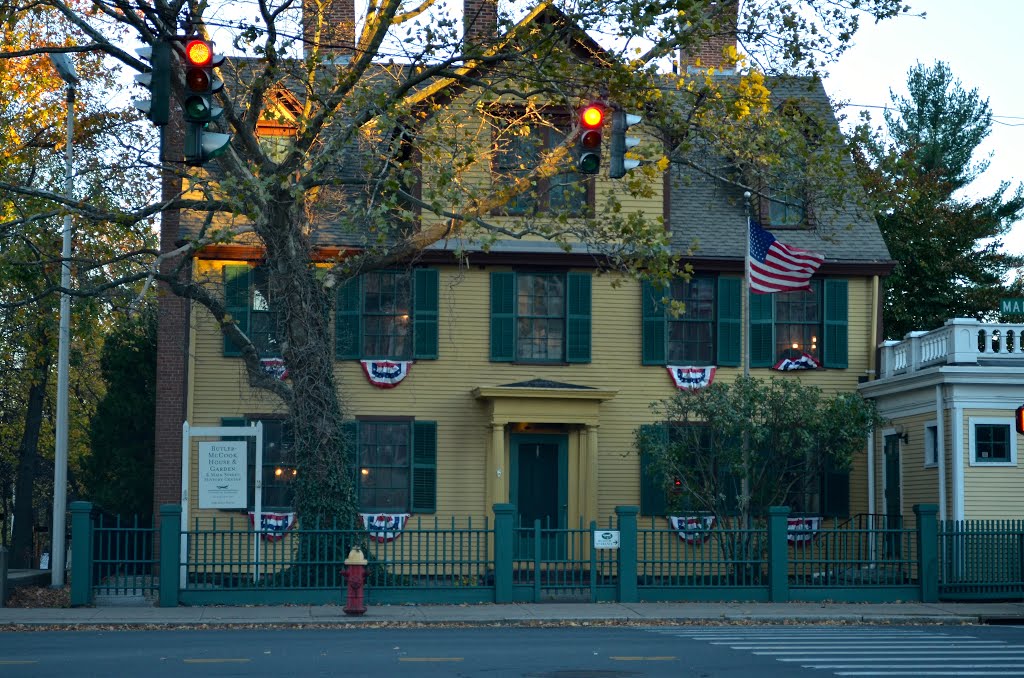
[778,554]
[628,592]
[170,553]
[3,576]
[81,553]
[928,551]
[503,552]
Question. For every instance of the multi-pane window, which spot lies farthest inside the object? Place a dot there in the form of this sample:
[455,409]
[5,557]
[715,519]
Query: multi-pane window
[992,442]
[540,317]
[387,315]
[931,445]
[395,465]
[384,466]
[248,301]
[517,155]
[387,319]
[540,313]
[786,209]
[798,320]
[691,334]
[279,470]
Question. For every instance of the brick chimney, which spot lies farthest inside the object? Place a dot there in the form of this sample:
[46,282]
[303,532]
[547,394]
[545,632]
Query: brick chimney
[479,21]
[723,34]
[337,21]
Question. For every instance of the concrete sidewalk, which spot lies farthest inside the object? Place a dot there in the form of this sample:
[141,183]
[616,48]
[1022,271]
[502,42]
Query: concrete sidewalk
[521,614]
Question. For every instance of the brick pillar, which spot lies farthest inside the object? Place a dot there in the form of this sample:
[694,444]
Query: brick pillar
[723,17]
[172,343]
[334,20]
[479,22]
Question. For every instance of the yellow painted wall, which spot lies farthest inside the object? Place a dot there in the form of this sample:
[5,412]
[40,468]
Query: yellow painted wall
[441,389]
[993,492]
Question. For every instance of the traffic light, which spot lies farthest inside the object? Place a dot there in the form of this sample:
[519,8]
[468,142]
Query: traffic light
[157,81]
[198,109]
[588,146]
[1018,417]
[618,163]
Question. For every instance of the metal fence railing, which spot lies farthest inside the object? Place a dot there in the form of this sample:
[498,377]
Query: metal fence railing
[778,557]
[981,559]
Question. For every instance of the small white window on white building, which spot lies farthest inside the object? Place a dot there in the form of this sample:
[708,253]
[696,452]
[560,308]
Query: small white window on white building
[993,441]
[931,444]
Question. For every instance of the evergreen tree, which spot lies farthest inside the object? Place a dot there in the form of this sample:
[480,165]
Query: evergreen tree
[118,474]
[949,253]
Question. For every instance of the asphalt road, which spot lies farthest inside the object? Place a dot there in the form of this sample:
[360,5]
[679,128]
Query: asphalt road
[491,652]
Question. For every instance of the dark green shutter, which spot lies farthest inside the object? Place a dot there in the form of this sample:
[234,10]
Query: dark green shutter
[835,493]
[653,324]
[762,330]
[350,429]
[503,316]
[424,467]
[730,321]
[348,336]
[577,319]
[836,323]
[236,301]
[653,495]
[425,306]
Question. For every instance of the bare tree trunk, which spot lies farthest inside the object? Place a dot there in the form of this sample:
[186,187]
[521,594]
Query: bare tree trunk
[24,517]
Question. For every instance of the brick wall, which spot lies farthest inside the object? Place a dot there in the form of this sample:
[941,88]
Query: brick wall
[480,21]
[724,34]
[172,345]
[337,21]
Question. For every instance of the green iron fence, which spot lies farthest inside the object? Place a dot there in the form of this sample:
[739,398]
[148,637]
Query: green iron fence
[228,562]
[981,559]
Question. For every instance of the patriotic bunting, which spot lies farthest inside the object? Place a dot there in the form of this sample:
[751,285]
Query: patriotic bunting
[687,378]
[800,531]
[386,373]
[275,367]
[273,526]
[384,526]
[692,529]
[804,362]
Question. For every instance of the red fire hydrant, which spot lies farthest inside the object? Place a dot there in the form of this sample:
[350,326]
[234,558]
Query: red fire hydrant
[355,574]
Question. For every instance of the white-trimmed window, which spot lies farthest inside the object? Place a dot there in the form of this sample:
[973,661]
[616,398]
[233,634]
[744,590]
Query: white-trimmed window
[993,441]
[931,444]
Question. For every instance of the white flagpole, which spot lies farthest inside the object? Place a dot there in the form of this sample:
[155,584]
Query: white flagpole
[745,291]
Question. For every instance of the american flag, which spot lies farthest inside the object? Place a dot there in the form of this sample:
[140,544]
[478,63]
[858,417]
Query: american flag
[778,267]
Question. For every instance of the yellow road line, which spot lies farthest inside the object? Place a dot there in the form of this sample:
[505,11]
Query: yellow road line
[644,659]
[217,661]
[430,659]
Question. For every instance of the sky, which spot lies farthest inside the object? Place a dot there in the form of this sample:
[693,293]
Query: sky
[980,40]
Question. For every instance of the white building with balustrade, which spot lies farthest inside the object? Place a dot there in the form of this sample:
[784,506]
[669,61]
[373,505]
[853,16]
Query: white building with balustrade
[949,397]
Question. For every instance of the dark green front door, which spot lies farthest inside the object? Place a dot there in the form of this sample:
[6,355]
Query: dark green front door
[893,499]
[539,489]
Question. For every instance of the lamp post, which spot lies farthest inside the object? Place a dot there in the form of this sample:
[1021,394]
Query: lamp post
[58,549]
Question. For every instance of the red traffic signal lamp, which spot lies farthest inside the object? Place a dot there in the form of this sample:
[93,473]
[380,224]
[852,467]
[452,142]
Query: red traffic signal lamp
[588,147]
[1018,418]
[201,144]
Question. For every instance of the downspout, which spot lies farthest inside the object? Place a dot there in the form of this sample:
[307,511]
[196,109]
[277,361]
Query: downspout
[940,450]
[875,340]
[957,450]
[871,471]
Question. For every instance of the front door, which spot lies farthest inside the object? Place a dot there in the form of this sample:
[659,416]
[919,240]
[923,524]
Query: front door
[893,498]
[539,488]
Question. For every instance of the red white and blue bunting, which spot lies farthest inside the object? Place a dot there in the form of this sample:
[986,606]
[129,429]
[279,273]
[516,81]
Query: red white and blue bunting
[386,373]
[804,362]
[384,526]
[275,367]
[273,526]
[692,529]
[687,378]
[801,530]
